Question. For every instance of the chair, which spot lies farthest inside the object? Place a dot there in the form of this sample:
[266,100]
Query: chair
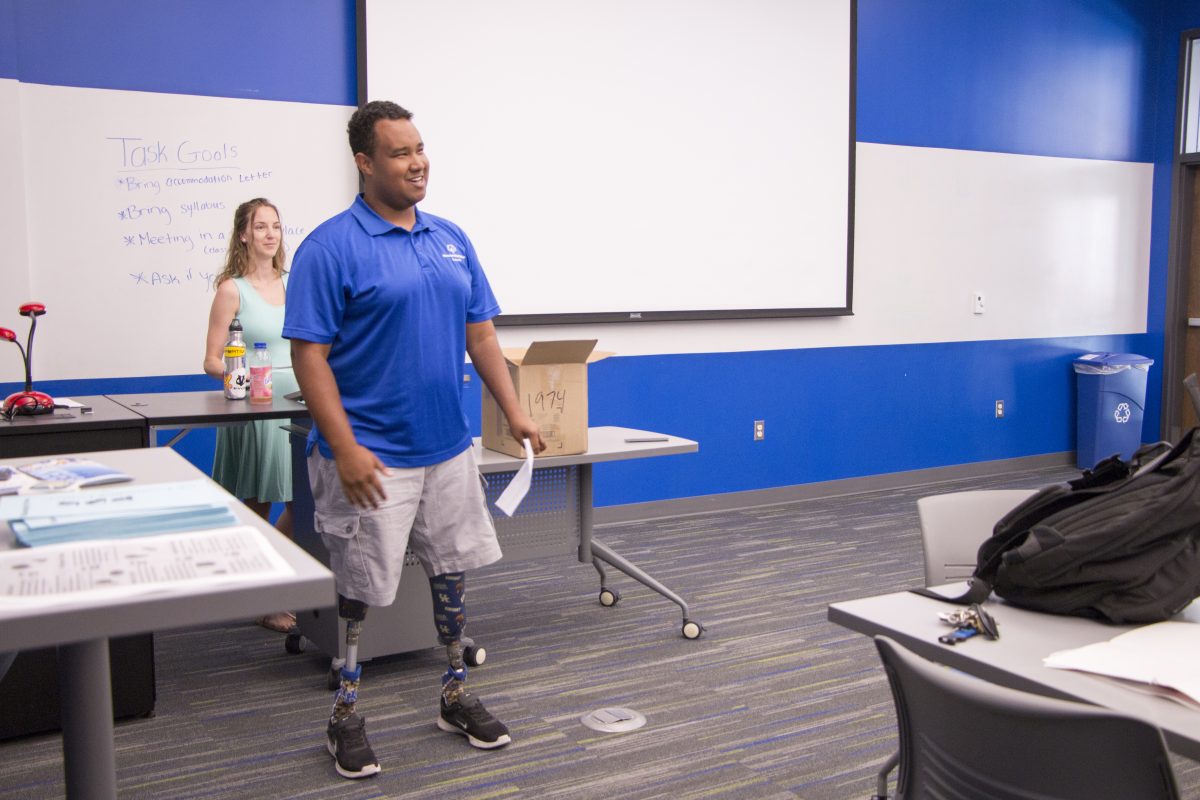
[953,525]
[962,737]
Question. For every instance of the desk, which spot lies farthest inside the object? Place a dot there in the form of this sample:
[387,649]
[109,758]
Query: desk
[604,444]
[29,699]
[109,426]
[187,410]
[554,519]
[82,634]
[1015,659]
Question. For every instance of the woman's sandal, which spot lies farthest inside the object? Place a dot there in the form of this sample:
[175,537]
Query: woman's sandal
[280,621]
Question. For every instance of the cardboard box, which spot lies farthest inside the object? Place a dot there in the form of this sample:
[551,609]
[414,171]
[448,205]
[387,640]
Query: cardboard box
[551,383]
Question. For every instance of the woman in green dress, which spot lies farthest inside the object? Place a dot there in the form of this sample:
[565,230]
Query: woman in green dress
[253,460]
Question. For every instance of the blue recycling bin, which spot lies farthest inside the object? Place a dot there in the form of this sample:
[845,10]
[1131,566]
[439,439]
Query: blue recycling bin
[1112,394]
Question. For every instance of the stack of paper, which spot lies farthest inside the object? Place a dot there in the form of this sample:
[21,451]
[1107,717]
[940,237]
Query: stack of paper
[1162,658]
[116,513]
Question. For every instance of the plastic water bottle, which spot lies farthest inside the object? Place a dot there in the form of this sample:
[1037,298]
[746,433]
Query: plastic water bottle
[260,374]
[237,377]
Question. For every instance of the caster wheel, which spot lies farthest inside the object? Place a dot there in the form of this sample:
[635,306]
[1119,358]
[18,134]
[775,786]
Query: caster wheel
[333,681]
[609,597]
[692,630]
[474,656]
[294,643]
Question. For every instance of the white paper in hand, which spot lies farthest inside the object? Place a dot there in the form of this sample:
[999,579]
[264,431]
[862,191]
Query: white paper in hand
[518,487]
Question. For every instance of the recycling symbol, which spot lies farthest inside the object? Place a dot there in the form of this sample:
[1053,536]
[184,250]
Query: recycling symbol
[1122,413]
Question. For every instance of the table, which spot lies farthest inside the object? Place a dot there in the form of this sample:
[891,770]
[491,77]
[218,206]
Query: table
[108,426]
[1015,659]
[554,519]
[187,410]
[605,444]
[82,634]
[34,674]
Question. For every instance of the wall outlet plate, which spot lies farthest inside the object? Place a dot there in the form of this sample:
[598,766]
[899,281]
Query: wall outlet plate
[760,430]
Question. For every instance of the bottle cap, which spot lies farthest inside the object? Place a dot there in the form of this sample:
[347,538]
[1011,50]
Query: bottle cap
[260,345]
[236,325]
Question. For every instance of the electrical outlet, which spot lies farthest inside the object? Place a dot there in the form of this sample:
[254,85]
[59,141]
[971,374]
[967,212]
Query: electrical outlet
[999,409]
[977,298]
[760,430]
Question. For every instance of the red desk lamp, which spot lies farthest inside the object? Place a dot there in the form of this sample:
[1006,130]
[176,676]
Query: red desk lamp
[27,402]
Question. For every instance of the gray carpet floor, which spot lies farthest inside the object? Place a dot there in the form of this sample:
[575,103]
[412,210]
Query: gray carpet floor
[772,702]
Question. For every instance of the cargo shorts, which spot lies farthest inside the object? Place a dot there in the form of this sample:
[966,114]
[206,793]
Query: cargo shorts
[439,512]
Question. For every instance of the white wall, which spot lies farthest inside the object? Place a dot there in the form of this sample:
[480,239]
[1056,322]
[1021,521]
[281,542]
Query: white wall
[14,260]
[1058,246]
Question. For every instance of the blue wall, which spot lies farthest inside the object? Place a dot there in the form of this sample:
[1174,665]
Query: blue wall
[1074,78]
[268,49]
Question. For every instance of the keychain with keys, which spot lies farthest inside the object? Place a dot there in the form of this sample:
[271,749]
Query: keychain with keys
[968,622]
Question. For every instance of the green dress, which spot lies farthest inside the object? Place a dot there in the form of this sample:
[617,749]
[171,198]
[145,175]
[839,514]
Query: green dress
[254,460]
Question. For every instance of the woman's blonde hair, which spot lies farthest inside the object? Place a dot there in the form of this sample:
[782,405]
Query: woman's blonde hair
[237,258]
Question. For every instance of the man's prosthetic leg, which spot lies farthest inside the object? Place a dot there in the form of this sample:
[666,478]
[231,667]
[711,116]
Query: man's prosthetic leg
[347,732]
[461,712]
[354,612]
[449,615]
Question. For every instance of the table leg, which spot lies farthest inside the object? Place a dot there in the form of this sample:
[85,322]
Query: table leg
[603,552]
[595,552]
[585,513]
[85,688]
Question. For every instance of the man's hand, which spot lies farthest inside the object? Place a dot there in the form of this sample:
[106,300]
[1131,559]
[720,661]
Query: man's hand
[359,470]
[525,428]
[489,362]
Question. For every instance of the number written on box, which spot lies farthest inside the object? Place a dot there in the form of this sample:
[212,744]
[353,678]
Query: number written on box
[541,402]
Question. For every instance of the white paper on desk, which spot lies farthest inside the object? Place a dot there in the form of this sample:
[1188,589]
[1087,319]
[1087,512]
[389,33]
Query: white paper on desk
[104,568]
[518,487]
[1164,655]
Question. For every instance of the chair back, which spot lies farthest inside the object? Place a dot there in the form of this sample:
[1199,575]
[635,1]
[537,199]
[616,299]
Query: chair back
[962,737]
[953,525]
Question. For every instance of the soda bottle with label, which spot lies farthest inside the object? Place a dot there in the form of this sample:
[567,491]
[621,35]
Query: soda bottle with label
[260,374]
[237,376]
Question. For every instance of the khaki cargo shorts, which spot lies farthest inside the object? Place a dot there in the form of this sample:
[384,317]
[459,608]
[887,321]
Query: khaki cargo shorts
[438,511]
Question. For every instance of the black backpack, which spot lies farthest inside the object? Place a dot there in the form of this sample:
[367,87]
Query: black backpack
[1120,543]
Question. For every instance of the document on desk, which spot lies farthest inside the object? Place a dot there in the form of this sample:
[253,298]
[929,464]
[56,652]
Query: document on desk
[518,487]
[117,512]
[83,571]
[1159,658]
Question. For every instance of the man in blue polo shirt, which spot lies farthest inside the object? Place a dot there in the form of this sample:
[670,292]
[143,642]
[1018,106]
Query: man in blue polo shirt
[383,301]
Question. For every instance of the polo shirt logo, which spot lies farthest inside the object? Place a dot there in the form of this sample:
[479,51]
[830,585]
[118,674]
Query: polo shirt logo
[453,254]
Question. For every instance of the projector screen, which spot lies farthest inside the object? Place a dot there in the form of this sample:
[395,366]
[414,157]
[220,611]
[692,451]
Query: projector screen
[634,159]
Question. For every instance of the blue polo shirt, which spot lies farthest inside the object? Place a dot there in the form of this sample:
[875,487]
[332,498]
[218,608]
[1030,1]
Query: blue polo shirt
[393,305]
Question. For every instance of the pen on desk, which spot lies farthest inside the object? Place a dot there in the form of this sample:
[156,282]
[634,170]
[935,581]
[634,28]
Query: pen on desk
[632,439]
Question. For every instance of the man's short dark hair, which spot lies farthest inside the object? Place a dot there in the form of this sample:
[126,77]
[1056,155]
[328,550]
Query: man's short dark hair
[362,124]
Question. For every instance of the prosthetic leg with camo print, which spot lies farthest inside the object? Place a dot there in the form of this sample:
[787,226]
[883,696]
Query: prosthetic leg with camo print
[461,712]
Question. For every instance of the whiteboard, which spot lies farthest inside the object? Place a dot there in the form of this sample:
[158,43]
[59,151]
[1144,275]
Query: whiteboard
[634,159]
[129,201]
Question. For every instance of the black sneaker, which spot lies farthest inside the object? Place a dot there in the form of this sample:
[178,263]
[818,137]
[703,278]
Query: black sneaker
[350,749]
[468,717]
